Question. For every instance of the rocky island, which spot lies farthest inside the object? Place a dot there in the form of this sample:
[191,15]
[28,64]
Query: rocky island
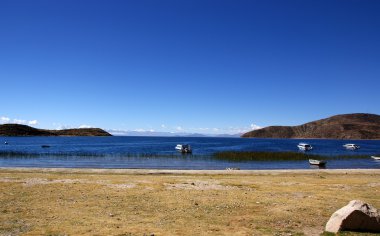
[24,130]
[347,126]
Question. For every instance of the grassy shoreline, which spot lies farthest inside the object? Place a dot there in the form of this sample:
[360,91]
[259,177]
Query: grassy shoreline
[47,201]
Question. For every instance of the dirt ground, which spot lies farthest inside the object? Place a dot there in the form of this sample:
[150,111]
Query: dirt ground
[164,202]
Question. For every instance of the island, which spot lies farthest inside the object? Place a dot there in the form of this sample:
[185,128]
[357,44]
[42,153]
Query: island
[346,126]
[24,130]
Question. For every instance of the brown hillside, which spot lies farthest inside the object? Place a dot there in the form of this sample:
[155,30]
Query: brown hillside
[24,130]
[348,126]
[81,132]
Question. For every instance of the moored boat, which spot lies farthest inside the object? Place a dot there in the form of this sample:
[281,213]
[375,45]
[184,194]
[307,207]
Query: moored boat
[184,148]
[317,162]
[304,147]
[351,146]
[376,158]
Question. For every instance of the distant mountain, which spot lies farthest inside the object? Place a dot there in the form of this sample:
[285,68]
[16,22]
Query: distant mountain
[141,133]
[166,134]
[24,130]
[347,126]
[228,135]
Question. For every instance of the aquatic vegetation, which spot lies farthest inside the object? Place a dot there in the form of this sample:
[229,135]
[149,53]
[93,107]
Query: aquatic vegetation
[263,156]
[20,154]
[277,156]
[15,154]
[234,156]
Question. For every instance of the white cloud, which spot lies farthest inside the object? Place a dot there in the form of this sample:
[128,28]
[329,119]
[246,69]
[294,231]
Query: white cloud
[143,130]
[232,130]
[21,122]
[163,126]
[32,122]
[84,126]
[254,127]
[179,128]
[4,119]
[59,127]
[203,129]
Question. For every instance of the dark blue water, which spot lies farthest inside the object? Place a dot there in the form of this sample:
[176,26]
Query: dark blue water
[134,152]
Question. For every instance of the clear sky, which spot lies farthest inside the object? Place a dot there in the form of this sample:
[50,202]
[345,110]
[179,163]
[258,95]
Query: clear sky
[194,66]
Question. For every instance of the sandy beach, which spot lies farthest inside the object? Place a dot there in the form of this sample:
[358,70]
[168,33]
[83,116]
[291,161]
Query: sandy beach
[49,201]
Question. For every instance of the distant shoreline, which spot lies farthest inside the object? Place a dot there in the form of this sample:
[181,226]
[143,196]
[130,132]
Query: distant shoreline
[186,172]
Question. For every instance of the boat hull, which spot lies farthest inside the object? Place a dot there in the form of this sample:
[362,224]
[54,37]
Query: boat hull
[317,162]
[304,147]
[351,146]
[183,148]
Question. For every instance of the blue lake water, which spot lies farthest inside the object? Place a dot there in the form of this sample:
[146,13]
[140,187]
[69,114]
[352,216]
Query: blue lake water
[134,152]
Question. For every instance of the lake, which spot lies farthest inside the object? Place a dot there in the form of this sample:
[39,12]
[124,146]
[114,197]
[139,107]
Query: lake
[159,152]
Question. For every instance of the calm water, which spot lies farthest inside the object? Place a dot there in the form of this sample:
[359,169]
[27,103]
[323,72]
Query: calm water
[133,152]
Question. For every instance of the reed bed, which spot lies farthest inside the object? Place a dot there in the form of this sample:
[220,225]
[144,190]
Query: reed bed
[42,154]
[20,154]
[263,156]
[277,156]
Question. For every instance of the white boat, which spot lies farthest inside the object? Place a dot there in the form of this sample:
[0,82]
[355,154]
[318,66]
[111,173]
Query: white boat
[184,148]
[351,146]
[304,146]
[376,158]
[317,162]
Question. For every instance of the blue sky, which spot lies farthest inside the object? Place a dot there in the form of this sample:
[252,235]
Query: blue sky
[187,66]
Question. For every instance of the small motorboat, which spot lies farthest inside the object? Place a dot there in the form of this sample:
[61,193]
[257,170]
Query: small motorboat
[184,148]
[232,168]
[376,158]
[351,146]
[317,162]
[45,146]
[304,146]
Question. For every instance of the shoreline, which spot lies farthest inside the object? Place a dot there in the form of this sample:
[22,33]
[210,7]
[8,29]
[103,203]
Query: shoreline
[185,172]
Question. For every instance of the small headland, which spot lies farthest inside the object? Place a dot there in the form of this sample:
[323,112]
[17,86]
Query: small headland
[24,130]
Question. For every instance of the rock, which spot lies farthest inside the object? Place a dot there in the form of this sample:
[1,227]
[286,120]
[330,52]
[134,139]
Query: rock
[356,216]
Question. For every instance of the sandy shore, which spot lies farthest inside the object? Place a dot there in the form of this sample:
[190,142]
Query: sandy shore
[62,201]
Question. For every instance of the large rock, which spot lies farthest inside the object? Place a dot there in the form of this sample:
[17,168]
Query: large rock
[356,216]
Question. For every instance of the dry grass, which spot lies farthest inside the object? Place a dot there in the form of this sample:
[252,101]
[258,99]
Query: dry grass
[262,203]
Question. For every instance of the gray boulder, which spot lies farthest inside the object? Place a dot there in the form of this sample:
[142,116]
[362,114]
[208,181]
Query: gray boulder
[356,216]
